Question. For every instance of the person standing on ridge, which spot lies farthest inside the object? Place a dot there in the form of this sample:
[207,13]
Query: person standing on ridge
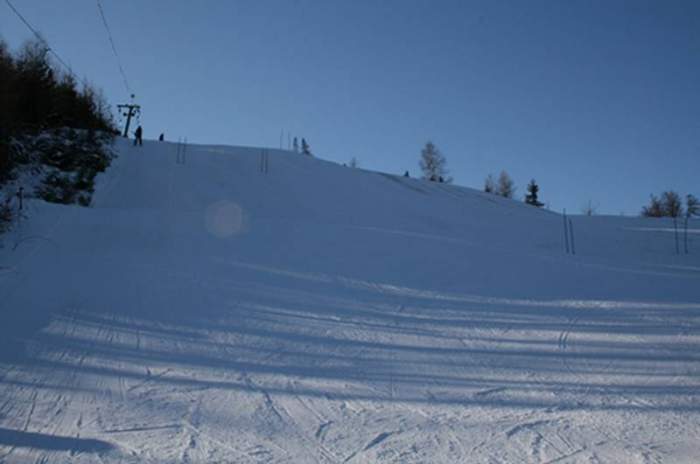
[138,134]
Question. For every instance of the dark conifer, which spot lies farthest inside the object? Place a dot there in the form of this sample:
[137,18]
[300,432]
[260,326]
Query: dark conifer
[305,148]
[531,198]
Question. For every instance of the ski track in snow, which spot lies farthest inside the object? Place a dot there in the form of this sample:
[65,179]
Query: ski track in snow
[208,312]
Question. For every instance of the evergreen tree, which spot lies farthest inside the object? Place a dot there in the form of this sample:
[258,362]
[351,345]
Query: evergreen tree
[9,120]
[531,196]
[433,164]
[34,86]
[305,148]
[34,96]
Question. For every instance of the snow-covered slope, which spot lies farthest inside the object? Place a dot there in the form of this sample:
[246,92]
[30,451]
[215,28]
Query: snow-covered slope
[205,311]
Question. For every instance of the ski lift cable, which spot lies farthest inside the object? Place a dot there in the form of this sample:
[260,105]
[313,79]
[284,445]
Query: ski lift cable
[40,38]
[114,47]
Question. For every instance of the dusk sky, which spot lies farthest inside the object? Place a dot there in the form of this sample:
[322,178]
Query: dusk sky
[597,100]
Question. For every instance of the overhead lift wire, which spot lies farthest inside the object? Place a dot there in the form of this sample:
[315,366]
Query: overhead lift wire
[114,47]
[41,39]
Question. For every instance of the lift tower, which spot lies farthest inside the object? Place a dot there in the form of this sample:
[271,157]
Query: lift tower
[129,110]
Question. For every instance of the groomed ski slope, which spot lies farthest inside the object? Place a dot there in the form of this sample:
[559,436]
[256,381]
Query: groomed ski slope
[203,311]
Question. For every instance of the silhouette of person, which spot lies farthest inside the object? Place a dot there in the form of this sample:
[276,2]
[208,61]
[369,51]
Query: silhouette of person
[161,138]
[138,134]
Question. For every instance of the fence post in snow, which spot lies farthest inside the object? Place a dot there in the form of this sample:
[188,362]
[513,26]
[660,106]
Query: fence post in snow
[675,234]
[571,231]
[264,162]
[181,150]
[566,233]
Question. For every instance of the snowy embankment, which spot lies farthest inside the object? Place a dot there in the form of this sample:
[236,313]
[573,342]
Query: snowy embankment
[205,311]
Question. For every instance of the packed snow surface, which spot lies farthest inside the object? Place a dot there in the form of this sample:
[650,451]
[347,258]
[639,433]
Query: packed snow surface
[204,310]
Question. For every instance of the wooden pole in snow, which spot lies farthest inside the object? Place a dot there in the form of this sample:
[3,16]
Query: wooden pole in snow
[566,233]
[675,234]
[571,231]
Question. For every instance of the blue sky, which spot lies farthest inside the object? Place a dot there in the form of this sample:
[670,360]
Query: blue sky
[597,100]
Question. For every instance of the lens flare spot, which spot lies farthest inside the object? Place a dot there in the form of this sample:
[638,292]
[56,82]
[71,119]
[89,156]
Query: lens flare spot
[224,219]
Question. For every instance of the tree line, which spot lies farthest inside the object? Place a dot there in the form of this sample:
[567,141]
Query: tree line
[52,129]
[433,165]
[670,204]
[36,96]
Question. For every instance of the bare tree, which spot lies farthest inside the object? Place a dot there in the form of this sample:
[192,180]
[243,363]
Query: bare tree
[654,209]
[672,204]
[669,204]
[433,164]
[589,209]
[692,209]
[672,207]
[692,206]
[506,186]
[490,184]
